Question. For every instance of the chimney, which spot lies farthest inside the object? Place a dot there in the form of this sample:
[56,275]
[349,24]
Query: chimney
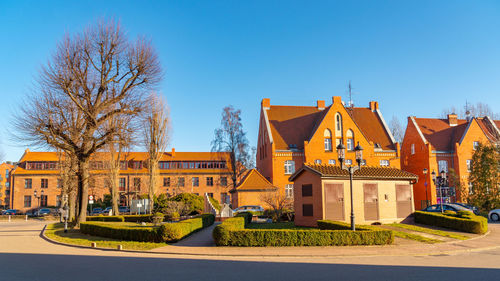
[266,103]
[373,105]
[320,104]
[452,119]
[173,152]
[337,100]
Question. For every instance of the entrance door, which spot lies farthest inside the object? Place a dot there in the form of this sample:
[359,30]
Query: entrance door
[334,202]
[403,200]
[370,191]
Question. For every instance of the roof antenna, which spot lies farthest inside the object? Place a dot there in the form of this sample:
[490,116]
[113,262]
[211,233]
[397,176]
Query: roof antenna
[467,112]
[351,104]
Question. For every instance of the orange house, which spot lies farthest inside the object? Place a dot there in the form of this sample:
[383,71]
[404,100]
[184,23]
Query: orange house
[191,172]
[443,144]
[290,136]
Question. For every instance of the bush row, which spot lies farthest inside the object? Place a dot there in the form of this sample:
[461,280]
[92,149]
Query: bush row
[339,225]
[106,218]
[169,232]
[247,215]
[462,221]
[232,232]
[172,232]
[124,218]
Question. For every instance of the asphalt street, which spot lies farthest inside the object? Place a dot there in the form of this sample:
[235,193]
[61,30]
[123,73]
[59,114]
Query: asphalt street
[24,255]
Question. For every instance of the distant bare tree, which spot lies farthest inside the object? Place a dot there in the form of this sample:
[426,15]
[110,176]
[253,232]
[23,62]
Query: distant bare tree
[231,138]
[96,75]
[475,110]
[278,202]
[156,124]
[396,129]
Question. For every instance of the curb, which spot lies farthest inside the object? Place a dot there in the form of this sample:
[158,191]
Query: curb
[455,252]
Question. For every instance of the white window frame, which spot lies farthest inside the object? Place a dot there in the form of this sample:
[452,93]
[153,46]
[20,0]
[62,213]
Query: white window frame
[328,144]
[317,161]
[289,190]
[469,165]
[350,144]
[475,145]
[412,147]
[331,162]
[348,162]
[384,163]
[289,167]
[442,165]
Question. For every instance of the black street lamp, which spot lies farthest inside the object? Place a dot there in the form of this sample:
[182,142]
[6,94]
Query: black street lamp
[425,171]
[351,169]
[440,182]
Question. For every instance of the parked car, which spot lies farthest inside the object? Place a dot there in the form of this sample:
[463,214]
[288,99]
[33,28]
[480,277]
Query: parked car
[106,211]
[11,212]
[248,208]
[494,215]
[446,207]
[123,209]
[96,211]
[42,212]
[474,209]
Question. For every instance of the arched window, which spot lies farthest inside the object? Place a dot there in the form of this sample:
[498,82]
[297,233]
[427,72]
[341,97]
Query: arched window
[338,125]
[289,167]
[350,140]
[328,140]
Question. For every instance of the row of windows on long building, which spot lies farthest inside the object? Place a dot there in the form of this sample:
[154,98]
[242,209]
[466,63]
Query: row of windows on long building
[163,165]
[289,165]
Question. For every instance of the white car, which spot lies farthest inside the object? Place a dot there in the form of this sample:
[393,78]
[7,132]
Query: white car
[494,215]
[248,208]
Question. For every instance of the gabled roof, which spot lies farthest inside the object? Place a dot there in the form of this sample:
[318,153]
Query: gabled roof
[443,137]
[372,127]
[375,173]
[439,132]
[253,180]
[292,125]
[490,128]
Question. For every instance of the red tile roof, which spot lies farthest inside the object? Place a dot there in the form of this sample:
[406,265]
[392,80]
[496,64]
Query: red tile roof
[372,127]
[439,132]
[253,180]
[292,125]
[376,173]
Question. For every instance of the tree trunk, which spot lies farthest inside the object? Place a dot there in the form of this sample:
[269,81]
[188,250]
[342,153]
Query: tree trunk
[83,189]
[153,177]
[114,191]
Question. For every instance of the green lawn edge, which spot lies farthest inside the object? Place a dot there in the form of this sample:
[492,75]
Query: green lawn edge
[55,231]
[416,237]
[431,231]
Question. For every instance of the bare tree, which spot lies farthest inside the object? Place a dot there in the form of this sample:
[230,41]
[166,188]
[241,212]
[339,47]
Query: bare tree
[278,202]
[396,129]
[156,124]
[231,138]
[475,110]
[99,74]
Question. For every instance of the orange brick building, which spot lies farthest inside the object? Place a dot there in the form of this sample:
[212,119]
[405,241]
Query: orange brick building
[5,169]
[290,136]
[192,172]
[443,144]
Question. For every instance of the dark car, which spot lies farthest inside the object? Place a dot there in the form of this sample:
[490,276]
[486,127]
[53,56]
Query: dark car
[446,207]
[123,209]
[96,211]
[474,209]
[43,212]
[11,212]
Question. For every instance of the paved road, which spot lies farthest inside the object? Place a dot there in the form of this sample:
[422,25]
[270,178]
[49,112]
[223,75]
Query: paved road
[25,256]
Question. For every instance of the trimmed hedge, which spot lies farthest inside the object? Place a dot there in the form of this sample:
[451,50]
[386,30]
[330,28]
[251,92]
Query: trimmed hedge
[232,233]
[462,221]
[170,232]
[247,215]
[106,218]
[138,218]
[339,225]
[120,232]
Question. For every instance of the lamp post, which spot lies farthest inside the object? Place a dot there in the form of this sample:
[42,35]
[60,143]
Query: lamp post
[440,182]
[36,197]
[351,169]
[425,171]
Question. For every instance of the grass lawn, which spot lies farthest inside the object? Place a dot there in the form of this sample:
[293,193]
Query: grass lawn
[276,225]
[431,231]
[411,236]
[55,232]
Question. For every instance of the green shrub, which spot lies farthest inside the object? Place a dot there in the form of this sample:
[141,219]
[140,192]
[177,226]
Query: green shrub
[172,232]
[460,221]
[232,232]
[215,203]
[142,234]
[247,215]
[339,225]
[106,218]
[138,218]
[195,202]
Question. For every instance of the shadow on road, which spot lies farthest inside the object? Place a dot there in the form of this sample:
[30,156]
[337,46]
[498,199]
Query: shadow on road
[74,268]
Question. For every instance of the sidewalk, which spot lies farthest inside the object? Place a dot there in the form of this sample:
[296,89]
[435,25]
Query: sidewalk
[198,245]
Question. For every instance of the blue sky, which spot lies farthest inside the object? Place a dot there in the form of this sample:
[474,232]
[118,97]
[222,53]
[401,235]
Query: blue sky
[414,57]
